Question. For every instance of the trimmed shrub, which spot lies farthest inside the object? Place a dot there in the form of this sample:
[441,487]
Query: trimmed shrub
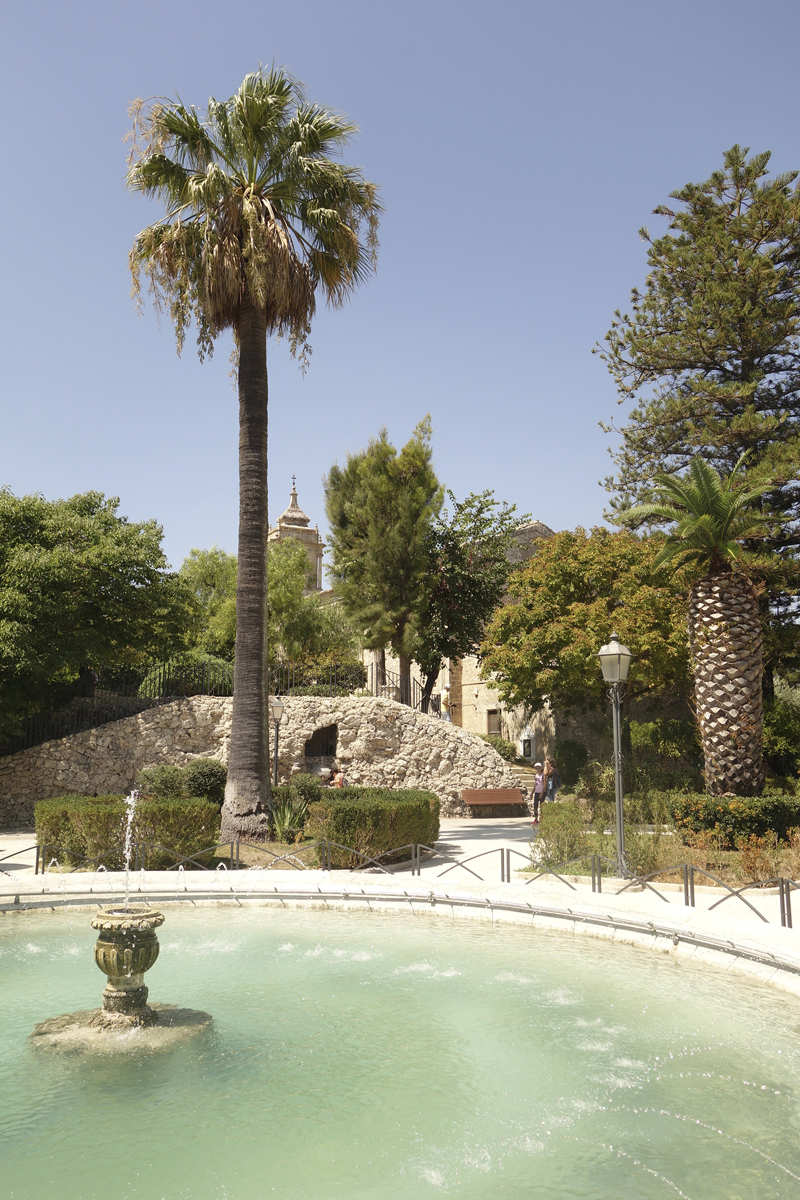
[164,781]
[504,748]
[202,778]
[737,817]
[572,756]
[206,778]
[77,827]
[373,821]
[87,826]
[307,786]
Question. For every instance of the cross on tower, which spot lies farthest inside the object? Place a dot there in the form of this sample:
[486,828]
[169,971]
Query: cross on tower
[294,482]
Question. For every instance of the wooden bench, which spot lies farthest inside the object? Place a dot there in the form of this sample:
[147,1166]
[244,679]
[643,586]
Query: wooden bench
[495,802]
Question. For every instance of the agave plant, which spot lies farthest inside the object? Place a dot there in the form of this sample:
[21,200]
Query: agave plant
[258,219]
[711,516]
[289,818]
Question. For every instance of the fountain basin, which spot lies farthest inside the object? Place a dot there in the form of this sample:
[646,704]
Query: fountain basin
[358,1054]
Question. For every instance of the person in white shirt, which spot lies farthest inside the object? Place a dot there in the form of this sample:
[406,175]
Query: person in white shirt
[538,791]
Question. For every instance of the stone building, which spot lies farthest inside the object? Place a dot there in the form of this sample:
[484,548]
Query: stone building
[475,704]
[294,523]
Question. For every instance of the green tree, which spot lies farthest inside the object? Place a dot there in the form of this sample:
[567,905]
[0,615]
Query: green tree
[301,628]
[211,574]
[710,355]
[381,507]
[563,604]
[258,218]
[712,518]
[80,587]
[466,578]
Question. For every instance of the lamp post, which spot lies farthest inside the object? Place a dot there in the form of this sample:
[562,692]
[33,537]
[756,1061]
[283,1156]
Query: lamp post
[276,708]
[615,661]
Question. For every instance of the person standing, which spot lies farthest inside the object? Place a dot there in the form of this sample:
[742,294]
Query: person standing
[445,703]
[538,791]
[552,780]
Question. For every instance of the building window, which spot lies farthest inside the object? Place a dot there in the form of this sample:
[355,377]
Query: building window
[493,721]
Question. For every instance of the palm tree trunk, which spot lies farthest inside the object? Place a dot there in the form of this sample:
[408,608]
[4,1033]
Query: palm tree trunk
[248,799]
[727,656]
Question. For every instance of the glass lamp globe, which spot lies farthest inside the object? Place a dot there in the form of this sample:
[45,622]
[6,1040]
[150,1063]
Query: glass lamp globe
[615,661]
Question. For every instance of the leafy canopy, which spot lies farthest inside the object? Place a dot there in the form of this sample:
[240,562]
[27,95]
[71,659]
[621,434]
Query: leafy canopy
[710,349]
[563,604]
[381,507]
[302,629]
[256,208]
[211,575]
[712,515]
[466,578]
[80,586]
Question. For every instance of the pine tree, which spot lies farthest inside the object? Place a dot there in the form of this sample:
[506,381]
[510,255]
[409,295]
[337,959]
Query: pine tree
[381,506]
[710,355]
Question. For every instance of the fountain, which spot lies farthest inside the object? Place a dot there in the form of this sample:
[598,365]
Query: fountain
[126,947]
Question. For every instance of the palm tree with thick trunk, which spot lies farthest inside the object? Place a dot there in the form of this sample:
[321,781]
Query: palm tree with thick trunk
[258,217]
[712,516]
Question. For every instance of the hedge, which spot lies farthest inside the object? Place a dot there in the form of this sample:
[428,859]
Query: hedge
[84,827]
[201,778]
[736,816]
[373,821]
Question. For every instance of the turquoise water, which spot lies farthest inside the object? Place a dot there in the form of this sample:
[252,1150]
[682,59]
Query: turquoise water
[359,1055]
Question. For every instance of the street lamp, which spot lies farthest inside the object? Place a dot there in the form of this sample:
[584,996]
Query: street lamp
[615,661]
[276,708]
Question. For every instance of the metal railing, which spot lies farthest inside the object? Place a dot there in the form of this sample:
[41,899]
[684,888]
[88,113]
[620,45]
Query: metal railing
[107,694]
[321,855]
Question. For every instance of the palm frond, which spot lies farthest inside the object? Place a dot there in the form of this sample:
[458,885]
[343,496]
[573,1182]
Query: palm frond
[255,206]
[711,515]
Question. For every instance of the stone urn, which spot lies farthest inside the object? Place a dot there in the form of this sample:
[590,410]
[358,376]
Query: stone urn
[126,947]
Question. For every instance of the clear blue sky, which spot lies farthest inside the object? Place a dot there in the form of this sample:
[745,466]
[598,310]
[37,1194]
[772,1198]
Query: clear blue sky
[519,147]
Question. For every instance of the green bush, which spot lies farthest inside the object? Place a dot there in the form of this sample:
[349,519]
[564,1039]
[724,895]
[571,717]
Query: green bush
[504,748]
[782,736]
[373,821]
[167,782]
[671,742]
[572,756]
[736,817]
[307,786]
[319,689]
[87,826]
[202,778]
[562,833]
[206,778]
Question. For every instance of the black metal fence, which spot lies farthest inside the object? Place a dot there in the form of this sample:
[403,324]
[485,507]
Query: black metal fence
[319,856]
[105,694]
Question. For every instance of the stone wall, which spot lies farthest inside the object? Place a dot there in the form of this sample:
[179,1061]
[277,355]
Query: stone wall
[379,742]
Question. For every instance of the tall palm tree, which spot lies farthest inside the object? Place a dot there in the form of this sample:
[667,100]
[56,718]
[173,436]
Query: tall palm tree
[258,218]
[711,516]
